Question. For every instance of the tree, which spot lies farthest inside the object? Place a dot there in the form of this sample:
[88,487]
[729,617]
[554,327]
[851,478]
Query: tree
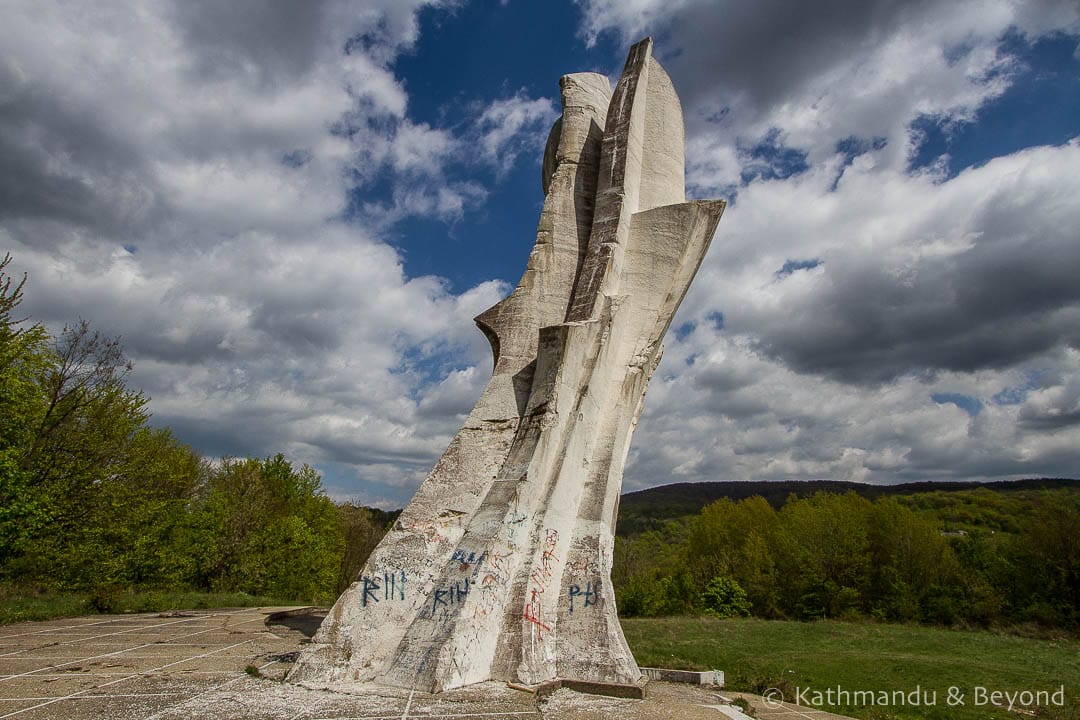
[915,574]
[1046,585]
[724,598]
[734,539]
[267,528]
[138,531]
[363,528]
[650,575]
[822,554]
[89,412]
[24,357]
[78,445]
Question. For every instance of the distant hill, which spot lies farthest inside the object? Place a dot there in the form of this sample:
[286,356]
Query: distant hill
[652,508]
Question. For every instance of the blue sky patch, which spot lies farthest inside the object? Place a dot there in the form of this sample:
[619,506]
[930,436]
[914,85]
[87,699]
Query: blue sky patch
[449,83]
[1040,107]
[852,147]
[430,365]
[1015,395]
[683,331]
[968,404]
[772,160]
[791,266]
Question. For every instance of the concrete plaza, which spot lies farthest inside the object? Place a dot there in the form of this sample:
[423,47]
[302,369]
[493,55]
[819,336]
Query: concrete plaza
[228,664]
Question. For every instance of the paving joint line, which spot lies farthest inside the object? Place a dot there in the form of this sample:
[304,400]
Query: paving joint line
[125,632]
[120,680]
[93,697]
[62,627]
[112,654]
[217,688]
[79,674]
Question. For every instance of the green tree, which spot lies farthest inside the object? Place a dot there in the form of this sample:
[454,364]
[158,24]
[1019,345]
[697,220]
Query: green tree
[24,356]
[658,593]
[915,574]
[650,576]
[89,414]
[267,528]
[987,561]
[305,543]
[77,448]
[1046,585]
[725,598]
[362,528]
[90,495]
[734,539]
[138,533]
[822,555]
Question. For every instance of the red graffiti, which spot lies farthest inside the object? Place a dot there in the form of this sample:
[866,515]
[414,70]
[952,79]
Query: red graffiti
[531,615]
[538,579]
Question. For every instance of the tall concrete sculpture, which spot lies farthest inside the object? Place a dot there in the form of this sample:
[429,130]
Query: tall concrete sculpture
[499,568]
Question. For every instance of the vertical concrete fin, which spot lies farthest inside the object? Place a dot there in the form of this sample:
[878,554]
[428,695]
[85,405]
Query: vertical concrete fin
[618,183]
[663,158]
[664,249]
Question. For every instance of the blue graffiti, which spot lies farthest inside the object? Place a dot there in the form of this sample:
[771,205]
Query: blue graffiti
[455,594]
[391,586]
[468,559]
[588,594]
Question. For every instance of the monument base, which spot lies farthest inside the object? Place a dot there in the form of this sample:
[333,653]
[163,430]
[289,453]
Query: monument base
[630,691]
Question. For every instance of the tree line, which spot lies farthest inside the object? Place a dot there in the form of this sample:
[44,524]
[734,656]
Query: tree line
[94,498]
[976,558]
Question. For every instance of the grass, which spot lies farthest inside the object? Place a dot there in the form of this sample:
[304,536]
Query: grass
[15,608]
[18,604]
[761,654]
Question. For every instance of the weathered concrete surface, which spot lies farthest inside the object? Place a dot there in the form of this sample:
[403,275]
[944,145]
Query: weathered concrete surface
[499,569]
[135,666]
[691,677]
[192,665]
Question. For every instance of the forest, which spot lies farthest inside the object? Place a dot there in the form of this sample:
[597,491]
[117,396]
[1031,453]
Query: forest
[976,558]
[95,499]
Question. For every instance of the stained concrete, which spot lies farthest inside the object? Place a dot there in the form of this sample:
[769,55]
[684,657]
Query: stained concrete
[500,567]
[192,665]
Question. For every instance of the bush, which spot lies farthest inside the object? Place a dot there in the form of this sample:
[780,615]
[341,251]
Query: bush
[724,598]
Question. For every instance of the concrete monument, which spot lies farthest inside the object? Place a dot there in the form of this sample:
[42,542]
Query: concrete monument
[499,568]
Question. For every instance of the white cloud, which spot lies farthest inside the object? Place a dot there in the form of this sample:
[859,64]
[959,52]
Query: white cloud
[178,174]
[508,126]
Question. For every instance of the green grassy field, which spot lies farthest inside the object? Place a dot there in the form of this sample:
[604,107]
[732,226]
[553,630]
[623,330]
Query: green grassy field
[22,605]
[794,656]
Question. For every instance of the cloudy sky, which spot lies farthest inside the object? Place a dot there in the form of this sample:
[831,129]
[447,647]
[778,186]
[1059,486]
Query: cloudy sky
[290,212]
